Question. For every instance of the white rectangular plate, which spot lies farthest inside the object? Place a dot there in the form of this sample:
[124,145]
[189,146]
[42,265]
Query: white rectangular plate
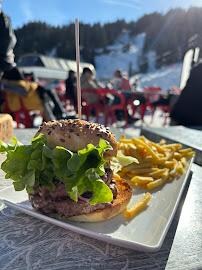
[145,232]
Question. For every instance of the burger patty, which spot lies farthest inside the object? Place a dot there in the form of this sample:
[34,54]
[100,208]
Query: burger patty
[58,201]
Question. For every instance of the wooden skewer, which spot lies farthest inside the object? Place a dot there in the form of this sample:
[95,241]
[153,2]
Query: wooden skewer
[77,64]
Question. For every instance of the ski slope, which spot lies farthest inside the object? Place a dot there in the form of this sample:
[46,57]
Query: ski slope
[125,53]
[164,77]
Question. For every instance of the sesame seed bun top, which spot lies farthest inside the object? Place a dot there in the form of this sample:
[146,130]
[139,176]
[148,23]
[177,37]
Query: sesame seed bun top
[76,134]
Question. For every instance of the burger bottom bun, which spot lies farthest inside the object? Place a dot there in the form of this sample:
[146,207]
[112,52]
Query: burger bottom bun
[119,204]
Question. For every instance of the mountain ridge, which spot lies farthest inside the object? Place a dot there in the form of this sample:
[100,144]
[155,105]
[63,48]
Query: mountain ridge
[168,35]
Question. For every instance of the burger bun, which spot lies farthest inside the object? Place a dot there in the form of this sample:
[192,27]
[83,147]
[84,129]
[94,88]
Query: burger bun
[76,134]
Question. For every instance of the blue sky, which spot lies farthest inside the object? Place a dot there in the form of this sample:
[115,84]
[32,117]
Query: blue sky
[59,12]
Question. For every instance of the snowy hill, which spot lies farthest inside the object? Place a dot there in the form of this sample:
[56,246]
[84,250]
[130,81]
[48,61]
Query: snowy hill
[164,77]
[125,53]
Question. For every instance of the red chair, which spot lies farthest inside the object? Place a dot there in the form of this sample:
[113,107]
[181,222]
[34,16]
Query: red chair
[152,94]
[174,92]
[87,107]
[21,116]
[109,110]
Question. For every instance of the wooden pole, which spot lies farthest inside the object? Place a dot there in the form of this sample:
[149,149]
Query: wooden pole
[77,64]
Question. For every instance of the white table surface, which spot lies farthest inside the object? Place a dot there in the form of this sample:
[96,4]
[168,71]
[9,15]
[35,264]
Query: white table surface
[29,243]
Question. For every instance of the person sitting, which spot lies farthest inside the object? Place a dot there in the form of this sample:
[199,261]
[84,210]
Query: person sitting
[70,83]
[125,82]
[88,83]
[117,80]
[120,81]
[35,97]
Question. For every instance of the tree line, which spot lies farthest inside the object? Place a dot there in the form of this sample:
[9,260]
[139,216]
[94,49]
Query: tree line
[169,35]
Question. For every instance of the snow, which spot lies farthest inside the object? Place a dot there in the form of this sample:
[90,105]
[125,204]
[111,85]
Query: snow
[151,59]
[125,52]
[164,77]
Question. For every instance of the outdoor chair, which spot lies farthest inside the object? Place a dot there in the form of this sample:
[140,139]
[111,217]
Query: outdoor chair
[110,109]
[152,94]
[23,105]
[88,107]
[20,116]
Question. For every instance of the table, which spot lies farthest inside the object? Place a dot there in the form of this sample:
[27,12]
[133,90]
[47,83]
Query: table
[29,243]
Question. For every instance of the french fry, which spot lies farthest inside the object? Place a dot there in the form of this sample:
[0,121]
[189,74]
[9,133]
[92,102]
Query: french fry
[140,147]
[147,147]
[138,206]
[130,183]
[184,154]
[143,171]
[158,147]
[136,155]
[174,171]
[190,154]
[142,179]
[177,155]
[143,165]
[162,142]
[126,141]
[174,146]
[169,156]
[180,169]
[183,161]
[129,168]
[123,136]
[185,150]
[132,146]
[158,173]
[143,138]
[169,164]
[158,182]
[160,161]
[121,146]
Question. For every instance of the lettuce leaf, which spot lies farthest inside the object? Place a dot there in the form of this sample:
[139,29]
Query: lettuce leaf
[82,171]
[37,164]
[121,161]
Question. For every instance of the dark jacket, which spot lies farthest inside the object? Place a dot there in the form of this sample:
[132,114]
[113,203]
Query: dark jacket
[187,110]
[7,43]
[70,86]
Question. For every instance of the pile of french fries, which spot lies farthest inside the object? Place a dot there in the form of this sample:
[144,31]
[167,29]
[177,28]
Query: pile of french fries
[157,162]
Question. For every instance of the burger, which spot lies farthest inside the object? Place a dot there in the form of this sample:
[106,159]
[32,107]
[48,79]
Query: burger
[67,171]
